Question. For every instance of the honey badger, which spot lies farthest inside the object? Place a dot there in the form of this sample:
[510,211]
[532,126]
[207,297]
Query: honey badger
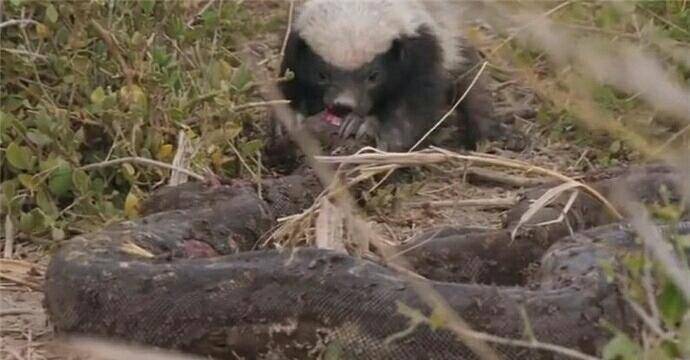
[388,68]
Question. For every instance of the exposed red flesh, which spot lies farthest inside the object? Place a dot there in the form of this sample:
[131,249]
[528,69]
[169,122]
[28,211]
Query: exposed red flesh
[331,118]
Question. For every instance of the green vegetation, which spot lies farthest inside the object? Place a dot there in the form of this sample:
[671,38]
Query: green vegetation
[579,108]
[88,81]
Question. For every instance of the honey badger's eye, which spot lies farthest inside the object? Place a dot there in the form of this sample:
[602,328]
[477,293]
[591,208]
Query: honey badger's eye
[323,76]
[373,76]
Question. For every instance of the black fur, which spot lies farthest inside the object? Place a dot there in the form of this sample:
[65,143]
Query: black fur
[413,90]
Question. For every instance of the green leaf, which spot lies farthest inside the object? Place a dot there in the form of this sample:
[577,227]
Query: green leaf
[147,6]
[129,172]
[32,222]
[27,181]
[97,96]
[671,212]
[81,181]
[5,119]
[38,138]
[26,223]
[51,163]
[44,123]
[672,304]
[251,147]
[160,57]
[9,189]
[9,192]
[51,14]
[46,203]
[241,78]
[19,156]
[621,348]
[60,182]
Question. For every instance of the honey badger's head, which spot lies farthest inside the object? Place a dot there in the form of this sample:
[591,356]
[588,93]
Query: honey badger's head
[343,90]
[362,56]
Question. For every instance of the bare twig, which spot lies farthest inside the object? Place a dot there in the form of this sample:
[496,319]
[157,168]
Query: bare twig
[478,175]
[17,280]
[501,203]
[243,162]
[291,13]
[20,22]
[140,160]
[13,312]
[254,104]
[181,159]
[33,55]
[9,237]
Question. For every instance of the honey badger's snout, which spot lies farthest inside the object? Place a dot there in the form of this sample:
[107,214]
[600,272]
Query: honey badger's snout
[345,101]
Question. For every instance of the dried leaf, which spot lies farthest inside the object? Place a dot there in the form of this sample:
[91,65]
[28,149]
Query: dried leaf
[132,206]
[542,202]
[165,152]
[42,31]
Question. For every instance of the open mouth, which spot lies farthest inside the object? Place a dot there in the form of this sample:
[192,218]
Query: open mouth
[330,117]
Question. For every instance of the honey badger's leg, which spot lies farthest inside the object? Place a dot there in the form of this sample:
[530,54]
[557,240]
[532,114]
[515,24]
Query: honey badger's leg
[476,112]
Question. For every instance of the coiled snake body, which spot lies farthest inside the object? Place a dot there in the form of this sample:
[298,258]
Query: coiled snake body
[185,277]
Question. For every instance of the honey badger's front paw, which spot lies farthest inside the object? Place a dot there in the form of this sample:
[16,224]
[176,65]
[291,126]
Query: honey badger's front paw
[358,126]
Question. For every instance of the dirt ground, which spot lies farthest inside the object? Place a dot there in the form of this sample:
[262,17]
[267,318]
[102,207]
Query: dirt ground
[25,332]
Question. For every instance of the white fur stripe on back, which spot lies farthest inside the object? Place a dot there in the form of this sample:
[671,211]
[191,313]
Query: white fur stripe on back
[350,33]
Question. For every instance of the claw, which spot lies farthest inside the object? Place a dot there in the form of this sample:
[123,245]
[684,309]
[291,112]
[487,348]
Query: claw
[367,128]
[350,126]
